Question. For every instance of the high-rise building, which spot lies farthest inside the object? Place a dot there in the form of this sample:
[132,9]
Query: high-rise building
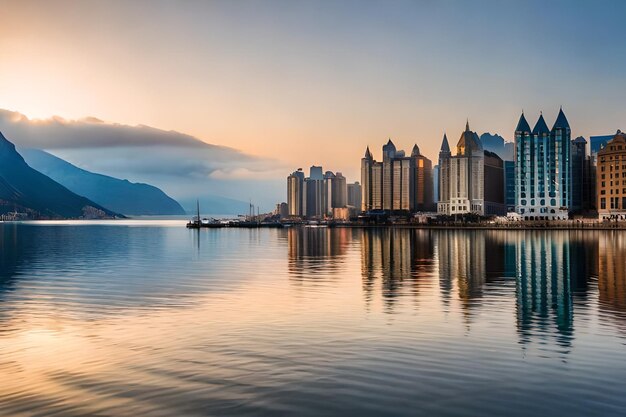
[443,202]
[282,210]
[399,183]
[436,182]
[355,196]
[583,178]
[509,185]
[335,191]
[543,169]
[371,180]
[423,194]
[340,191]
[316,196]
[495,204]
[611,178]
[461,177]
[315,206]
[329,187]
[590,196]
[295,193]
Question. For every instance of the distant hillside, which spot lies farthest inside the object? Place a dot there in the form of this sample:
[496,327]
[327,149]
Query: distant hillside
[217,205]
[26,190]
[121,196]
[497,144]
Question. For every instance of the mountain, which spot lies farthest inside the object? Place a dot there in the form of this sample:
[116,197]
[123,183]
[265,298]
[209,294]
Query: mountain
[497,144]
[186,167]
[24,189]
[121,196]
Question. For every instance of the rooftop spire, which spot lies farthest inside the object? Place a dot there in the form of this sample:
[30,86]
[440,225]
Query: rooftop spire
[415,151]
[467,129]
[541,126]
[561,121]
[368,154]
[445,147]
[522,125]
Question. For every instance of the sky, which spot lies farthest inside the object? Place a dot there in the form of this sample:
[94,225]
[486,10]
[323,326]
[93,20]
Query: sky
[315,82]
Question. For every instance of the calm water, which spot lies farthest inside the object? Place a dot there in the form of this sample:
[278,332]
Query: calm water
[148,318]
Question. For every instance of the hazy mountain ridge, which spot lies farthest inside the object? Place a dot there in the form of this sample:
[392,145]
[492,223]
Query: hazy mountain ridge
[497,144]
[121,196]
[25,189]
[183,166]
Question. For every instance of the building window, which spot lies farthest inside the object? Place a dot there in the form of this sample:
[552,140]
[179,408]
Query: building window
[603,203]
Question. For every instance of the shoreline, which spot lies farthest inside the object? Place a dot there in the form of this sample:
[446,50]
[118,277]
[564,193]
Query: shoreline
[619,227]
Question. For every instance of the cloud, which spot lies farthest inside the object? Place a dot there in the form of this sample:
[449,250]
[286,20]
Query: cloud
[90,132]
[183,166]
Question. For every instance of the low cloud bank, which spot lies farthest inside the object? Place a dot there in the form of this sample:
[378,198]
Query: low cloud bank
[183,166]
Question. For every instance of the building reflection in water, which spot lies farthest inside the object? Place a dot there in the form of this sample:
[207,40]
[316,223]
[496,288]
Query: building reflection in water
[612,278]
[316,253]
[546,272]
[462,264]
[553,269]
[397,259]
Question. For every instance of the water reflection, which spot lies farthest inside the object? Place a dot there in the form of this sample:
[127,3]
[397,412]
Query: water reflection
[395,259]
[310,321]
[89,272]
[544,272]
[315,254]
[612,278]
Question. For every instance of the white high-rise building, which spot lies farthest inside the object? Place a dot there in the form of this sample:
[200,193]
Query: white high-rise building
[461,176]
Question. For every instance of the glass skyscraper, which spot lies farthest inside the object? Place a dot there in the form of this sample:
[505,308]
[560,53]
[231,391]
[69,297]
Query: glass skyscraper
[543,169]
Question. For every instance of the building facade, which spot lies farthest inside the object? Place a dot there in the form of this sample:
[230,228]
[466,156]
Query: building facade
[495,203]
[461,176]
[355,196]
[509,185]
[316,196]
[579,157]
[611,179]
[335,192]
[295,193]
[583,178]
[315,206]
[543,169]
[399,183]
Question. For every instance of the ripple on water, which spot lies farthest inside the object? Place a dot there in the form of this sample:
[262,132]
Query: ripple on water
[153,319]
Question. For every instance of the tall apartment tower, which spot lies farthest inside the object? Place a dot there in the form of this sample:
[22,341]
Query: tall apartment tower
[340,192]
[371,182]
[355,195]
[611,179]
[335,191]
[422,174]
[329,188]
[461,177]
[543,169]
[579,159]
[443,202]
[314,197]
[295,193]
[398,183]
[389,154]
